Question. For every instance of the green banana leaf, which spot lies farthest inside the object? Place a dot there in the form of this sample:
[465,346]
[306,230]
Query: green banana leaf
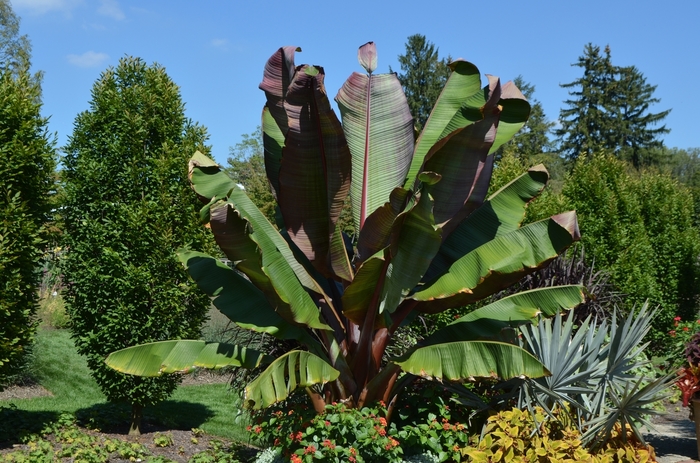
[273,142]
[466,360]
[499,263]
[460,158]
[511,311]
[314,178]
[464,82]
[500,214]
[515,111]
[238,298]
[183,356]
[379,129]
[232,234]
[358,295]
[288,372]
[377,230]
[279,263]
[415,242]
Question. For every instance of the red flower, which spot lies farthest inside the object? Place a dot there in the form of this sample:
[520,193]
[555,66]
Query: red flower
[676,319]
[382,421]
[685,328]
[309,449]
[672,333]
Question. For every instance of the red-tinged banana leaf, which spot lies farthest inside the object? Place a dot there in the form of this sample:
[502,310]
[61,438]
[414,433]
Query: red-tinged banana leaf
[456,361]
[288,372]
[463,83]
[379,129]
[183,356]
[273,142]
[377,230]
[515,111]
[238,298]
[278,74]
[415,241]
[314,177]
[511,311]
[367,56]
[502,213]
[461,159]
[357,297]
[209,181]
[498,263]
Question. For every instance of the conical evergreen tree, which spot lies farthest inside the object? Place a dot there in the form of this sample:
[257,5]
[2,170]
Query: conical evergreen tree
[638,140]
[423,77]
[610,111]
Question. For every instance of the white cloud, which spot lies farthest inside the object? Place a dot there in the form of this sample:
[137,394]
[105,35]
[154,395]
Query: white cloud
[220,43]
[89,59]
[111,9]
[45,6]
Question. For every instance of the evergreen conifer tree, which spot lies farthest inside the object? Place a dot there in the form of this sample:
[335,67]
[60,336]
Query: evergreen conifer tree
[424,74]
[608,111]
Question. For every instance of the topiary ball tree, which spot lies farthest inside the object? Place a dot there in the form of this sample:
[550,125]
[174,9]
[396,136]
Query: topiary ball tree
[128,206]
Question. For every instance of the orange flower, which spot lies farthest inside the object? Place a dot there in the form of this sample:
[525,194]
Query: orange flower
[296,459]
[309,449]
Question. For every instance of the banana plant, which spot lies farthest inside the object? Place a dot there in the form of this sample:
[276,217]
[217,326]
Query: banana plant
[426,239]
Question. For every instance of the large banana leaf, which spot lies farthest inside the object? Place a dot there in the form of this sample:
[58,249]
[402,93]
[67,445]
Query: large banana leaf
[238,298]
[273,142]
[415,242]
[463,82]
[314,177]
[511,311]
[278,75]
[279,263]
[500,214]
[499,263]
[515,111]
[358,295]
[183,356]
[460,158]
[375,235]
[379,130]
[232,234]
[471,359]
[290,371]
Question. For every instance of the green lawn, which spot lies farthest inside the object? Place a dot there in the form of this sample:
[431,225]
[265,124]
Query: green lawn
[58,367]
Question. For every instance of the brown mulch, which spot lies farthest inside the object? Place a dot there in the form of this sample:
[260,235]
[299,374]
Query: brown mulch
[28,389]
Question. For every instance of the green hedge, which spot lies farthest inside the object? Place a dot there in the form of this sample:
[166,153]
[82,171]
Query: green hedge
[27,163]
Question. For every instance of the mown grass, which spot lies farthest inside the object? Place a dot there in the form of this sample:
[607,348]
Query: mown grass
[58,367]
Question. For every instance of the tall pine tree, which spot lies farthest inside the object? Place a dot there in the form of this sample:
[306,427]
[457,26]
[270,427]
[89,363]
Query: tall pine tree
[423,77]
[638,138]
[609,111]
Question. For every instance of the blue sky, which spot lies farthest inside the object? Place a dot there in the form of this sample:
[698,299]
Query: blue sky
[215,50]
